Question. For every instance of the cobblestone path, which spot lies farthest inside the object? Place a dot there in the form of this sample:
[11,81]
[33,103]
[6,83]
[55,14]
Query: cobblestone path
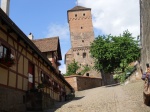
[122,98]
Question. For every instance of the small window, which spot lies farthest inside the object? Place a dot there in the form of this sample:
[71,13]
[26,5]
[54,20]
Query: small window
[81,27]
[77,53]
[87,74]
[4,52]
[75,15]
[44,78]
[83,14]
[82,40]
[84,55]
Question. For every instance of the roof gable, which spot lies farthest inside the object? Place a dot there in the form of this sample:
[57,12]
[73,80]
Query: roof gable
[48,45]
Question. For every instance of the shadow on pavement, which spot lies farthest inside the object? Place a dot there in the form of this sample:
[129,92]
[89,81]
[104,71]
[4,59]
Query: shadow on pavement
[116,84]
[60,104]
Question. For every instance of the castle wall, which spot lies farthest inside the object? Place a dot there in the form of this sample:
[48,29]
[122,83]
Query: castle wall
[80,83]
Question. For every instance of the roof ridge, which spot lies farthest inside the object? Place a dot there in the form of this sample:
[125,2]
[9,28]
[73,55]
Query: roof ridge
[79,8]
[49,38]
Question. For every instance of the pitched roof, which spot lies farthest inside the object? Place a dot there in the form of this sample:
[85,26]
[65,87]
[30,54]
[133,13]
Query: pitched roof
[48,44]
[77,8]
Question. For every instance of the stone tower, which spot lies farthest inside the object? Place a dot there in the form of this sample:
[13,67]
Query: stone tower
[5,6]
[81,36]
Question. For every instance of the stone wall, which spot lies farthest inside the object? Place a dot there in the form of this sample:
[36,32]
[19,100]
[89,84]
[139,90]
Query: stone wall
[81,28]
[38,101]
[82,82]
[136,75]
[145,32]
[12,100]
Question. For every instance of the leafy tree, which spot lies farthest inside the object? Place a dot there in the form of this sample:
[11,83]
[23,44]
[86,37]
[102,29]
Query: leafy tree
[111,52]
[72,68]
[85,69]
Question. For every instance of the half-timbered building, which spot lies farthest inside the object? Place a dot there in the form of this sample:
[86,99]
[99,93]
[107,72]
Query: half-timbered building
[27,77]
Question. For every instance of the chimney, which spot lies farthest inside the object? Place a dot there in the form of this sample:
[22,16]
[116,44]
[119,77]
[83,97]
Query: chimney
[30,36]
[5,6]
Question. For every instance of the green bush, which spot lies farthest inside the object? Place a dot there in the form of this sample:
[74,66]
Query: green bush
[122,76]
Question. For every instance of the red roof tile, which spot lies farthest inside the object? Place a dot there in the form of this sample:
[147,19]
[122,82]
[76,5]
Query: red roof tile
[76,8]
[48,44]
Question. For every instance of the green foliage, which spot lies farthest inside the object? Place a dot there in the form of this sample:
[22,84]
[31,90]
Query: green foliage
[111,52]
[85,69]
[72,68]
[122,76]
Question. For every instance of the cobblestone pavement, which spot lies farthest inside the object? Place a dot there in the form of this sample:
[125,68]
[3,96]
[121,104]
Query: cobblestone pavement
[122,98]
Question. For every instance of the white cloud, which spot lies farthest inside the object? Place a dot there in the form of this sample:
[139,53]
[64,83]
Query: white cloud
[58,30]
[62,68]
[63,32]
[114,16]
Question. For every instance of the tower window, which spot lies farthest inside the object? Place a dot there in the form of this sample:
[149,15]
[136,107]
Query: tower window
[87,74]
[75,15]
[83,14]
[84,55]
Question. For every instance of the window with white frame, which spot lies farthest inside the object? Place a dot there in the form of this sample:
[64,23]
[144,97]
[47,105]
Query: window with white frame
[4,51]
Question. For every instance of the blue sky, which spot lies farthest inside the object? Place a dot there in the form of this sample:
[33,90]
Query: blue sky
[44,19]
[48,18]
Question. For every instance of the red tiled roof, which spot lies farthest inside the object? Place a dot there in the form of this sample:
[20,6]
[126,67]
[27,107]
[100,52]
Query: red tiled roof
[47,44]
[76,8]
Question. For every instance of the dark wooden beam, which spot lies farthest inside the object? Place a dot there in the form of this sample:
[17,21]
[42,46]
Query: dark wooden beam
[9,30]
[18,39]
